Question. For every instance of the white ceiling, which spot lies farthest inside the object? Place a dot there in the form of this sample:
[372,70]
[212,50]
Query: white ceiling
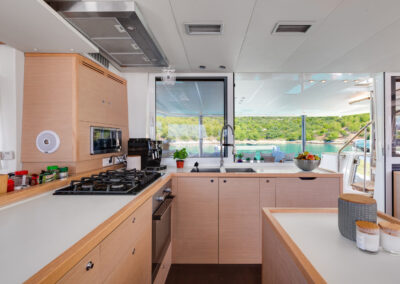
[32,26]
[347,35]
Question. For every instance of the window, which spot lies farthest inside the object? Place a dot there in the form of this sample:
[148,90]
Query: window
[269,109]
[190,114]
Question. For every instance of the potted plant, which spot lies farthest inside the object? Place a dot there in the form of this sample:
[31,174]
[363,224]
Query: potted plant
[248,159]
[240,158]
[262,160]
[180,156]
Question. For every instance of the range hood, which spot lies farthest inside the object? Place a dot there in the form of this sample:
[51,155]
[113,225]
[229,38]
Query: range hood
[116,28]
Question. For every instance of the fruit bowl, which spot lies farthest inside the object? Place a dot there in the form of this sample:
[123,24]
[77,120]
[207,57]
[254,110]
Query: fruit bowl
[307,165]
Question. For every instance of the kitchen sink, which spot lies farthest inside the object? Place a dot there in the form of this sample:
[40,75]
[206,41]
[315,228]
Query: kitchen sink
[205,170]
[240,170]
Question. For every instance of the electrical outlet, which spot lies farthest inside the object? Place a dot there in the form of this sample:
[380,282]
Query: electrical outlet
[107,161]
[118,160]
[7,155]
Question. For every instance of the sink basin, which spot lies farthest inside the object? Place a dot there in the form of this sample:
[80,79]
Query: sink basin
[205,170]
[240,170]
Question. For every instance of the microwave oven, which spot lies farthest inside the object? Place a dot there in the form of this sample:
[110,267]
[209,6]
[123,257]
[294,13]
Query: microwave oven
[105,140]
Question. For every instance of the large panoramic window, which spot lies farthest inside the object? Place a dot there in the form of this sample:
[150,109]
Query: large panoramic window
[190,114]
[269,109]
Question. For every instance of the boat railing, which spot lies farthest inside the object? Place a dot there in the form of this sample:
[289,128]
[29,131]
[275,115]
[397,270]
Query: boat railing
[365,129]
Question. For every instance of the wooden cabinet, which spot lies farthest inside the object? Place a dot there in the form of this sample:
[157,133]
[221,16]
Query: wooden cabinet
[195,221]
[307,192]
[88,270]
[267,192]
[68,93]
[162,273]
[239,220]
[123,257]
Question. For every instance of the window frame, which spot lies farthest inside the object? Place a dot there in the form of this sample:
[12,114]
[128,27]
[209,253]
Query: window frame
[223,79]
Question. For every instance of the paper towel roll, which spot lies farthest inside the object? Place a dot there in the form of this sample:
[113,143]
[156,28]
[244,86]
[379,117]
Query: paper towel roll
[133,162]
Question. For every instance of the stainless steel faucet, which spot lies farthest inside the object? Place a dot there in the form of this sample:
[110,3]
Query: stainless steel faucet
[221,144]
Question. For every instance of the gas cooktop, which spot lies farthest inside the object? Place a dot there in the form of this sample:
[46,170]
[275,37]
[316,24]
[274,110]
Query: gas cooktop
[111,182]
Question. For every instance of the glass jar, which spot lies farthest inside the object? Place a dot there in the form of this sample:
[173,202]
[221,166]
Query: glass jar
[367,236]
[390,237]
[55,170]
[63,173]
[21,179]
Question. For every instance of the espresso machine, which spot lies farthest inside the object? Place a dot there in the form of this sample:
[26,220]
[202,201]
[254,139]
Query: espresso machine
[150,152]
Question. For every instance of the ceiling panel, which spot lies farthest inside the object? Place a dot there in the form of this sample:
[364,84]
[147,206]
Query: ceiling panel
[349,26]
[213,50]
[265,52]
[31,25]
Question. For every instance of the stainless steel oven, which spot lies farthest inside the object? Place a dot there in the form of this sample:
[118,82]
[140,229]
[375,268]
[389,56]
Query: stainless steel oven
[161,238]
[105,140]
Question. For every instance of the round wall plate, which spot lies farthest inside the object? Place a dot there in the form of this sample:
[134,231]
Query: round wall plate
[47,141]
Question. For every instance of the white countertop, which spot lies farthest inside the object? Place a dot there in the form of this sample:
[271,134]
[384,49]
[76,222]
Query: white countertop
[260,168]
[37,230]
[336,258]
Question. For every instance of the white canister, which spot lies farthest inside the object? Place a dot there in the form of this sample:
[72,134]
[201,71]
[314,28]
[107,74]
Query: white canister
[367,236]
[390,237]
[133,162]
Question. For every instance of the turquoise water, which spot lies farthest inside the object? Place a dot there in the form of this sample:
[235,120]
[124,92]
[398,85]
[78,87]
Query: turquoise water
[213,151]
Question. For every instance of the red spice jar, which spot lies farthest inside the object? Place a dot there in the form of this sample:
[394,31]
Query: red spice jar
[10,185]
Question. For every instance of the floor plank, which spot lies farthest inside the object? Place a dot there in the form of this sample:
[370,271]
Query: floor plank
[214,274]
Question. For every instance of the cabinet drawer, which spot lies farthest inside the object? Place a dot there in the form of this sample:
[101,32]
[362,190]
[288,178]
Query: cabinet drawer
[164,268]
[121,240]
[316,192]
[86,271]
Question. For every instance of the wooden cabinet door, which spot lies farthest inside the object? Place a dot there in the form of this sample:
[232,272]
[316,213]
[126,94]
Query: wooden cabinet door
[239,220]
[307,192]
[267,192]
[92,93]
[116,101]
[195,221]
[86,271]
[126,252]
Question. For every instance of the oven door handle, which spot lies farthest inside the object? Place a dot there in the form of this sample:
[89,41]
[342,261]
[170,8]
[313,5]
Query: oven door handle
[158,215]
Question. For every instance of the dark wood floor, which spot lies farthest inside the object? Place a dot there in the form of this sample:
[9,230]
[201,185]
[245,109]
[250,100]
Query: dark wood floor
[214,274]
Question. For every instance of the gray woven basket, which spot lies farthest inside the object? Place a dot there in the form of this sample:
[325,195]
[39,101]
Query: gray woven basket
[350,212]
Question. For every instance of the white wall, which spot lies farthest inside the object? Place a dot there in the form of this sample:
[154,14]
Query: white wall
[11,97]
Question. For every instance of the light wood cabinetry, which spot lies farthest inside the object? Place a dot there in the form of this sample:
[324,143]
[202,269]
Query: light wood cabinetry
[195,221]
[239,220]
[307,192]
[88,270]
[267,192]
[162,273]
[123,257]
[68,93]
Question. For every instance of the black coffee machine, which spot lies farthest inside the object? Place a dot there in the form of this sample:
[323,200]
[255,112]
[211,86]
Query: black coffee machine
[150,152]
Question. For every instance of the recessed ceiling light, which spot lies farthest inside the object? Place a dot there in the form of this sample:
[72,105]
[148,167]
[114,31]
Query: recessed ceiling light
[202,67]
[222,67]
[356,81]
[130,28]
[323,81]
[311,81]
[345,81]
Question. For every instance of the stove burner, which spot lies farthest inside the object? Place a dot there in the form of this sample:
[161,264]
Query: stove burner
[111,182]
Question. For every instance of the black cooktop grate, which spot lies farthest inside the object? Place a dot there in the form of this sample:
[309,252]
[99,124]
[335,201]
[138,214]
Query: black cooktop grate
[111,182]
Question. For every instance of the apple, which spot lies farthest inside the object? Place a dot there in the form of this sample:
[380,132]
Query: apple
[310,157]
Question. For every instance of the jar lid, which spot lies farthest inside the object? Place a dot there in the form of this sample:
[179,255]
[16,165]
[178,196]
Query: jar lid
[21,173]
[52,168]
[367,227]
[390,228]
[64,169]
[357,198]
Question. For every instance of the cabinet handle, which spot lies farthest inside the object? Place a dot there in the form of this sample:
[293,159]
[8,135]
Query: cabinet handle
[224,180]
[133,220]
[212,180]
[307,178]
[89,265]
[267,180]
[103,101]
[133,251]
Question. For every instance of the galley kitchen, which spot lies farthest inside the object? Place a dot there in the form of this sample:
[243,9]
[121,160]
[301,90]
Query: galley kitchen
[185,141]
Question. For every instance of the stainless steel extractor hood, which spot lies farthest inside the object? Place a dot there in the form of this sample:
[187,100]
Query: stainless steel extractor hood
[117,28]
